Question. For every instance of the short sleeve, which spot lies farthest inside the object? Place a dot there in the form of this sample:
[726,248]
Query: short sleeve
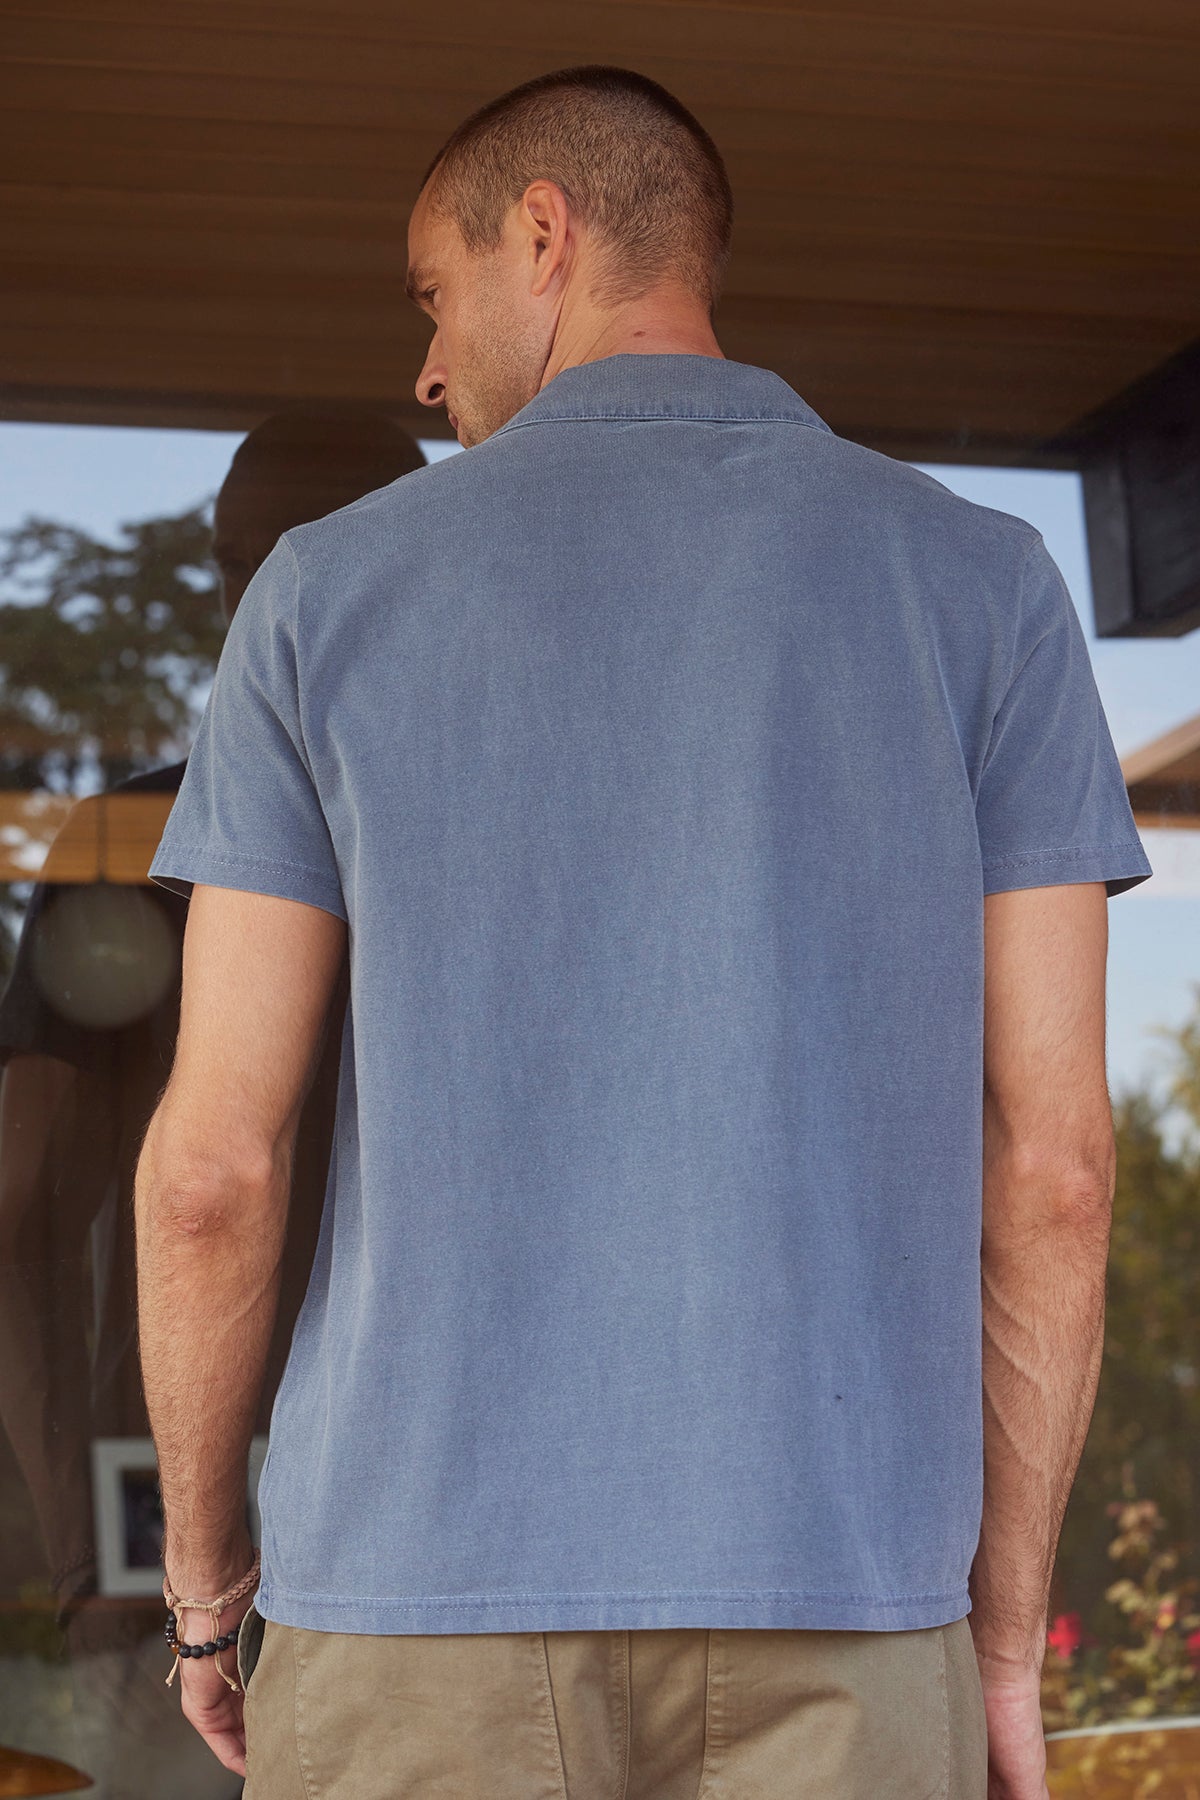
[248,814]
[1051,805]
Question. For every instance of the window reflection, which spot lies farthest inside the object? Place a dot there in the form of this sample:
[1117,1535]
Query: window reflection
[108,652]
[110,649]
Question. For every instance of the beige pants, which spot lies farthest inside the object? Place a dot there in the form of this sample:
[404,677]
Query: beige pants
[693,1714]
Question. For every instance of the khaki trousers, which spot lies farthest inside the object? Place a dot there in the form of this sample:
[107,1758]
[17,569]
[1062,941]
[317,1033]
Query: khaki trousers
[693,1714]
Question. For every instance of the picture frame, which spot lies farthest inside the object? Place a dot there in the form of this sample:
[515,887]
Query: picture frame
[127,1508]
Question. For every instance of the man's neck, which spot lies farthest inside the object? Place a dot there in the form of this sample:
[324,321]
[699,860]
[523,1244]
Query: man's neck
[667,329]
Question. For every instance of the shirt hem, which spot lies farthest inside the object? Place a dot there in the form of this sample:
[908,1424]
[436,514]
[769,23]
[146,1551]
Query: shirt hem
[767,1609]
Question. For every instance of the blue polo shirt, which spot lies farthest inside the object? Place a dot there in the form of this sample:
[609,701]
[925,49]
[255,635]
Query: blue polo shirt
[659,752]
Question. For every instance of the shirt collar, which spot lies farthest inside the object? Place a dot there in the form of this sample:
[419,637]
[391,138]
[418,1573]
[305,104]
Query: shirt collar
[665,386]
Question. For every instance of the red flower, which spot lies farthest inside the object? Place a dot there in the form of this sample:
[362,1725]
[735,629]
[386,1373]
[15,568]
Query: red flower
[1193,1648]
[1065,1635]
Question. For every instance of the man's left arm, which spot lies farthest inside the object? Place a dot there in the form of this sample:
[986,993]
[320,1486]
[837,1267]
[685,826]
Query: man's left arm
[211,1200]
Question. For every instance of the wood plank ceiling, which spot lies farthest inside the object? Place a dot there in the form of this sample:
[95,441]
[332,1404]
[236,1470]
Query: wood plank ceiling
[961,224]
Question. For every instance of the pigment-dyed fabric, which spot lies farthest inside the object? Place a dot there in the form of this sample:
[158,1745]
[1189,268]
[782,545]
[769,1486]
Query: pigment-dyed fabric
[658,752]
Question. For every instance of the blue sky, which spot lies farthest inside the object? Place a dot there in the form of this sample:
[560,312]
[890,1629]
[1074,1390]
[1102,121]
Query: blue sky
[98,476]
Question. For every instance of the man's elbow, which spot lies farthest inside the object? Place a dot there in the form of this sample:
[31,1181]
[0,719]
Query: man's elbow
[1080,1175]
[1032,1189]
[1086,1195]
[196,1191]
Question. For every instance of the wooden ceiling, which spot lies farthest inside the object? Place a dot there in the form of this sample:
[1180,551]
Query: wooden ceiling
[961,224]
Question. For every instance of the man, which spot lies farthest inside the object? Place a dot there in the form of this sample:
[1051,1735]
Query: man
[722,817]
[75,1100]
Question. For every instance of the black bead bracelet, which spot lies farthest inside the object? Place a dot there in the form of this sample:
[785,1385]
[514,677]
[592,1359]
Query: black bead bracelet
[224,1642]
[177,1605]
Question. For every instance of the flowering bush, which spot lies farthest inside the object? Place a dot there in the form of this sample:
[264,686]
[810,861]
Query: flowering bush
[1148,1665]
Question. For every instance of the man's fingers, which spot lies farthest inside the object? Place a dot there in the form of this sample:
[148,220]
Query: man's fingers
[216,1713]
[229,1747]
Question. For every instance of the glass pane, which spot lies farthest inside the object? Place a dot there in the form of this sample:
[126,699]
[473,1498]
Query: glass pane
[111,635]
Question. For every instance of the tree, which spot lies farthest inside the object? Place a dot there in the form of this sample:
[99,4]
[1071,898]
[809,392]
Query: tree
[1145,1431]
[109,652]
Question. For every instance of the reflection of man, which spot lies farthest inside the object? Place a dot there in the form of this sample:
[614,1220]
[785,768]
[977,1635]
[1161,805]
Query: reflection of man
[632,1436]
[75,1098]
[295,467]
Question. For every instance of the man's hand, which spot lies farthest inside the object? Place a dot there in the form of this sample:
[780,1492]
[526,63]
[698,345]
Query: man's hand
[209,1703]
[1012,1698]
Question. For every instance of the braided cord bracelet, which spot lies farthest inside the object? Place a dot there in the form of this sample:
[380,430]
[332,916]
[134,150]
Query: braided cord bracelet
[219,1640]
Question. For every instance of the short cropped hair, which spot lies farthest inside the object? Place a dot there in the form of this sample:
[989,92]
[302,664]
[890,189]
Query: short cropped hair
[641,173]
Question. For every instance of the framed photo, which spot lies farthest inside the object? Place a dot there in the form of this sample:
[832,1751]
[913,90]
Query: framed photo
[128,1513]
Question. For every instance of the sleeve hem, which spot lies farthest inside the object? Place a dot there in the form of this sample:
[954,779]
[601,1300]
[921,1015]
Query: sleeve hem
[1120,866]
[250,874]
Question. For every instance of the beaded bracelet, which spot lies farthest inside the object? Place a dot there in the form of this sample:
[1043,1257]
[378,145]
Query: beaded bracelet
[212,1648]
[217,1643]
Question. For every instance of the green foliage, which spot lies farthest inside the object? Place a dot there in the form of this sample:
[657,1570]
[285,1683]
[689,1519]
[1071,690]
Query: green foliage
[1146,1663]
[105,648]
[1133,1658]
[108,653]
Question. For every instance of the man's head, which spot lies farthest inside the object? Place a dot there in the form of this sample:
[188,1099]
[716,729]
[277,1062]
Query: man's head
[295,467]
[570,207]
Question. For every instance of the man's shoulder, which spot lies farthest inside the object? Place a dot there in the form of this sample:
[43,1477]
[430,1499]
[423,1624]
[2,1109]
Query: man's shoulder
[876,495]
[913,506]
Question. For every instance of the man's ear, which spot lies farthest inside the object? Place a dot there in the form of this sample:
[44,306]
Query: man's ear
[545,217]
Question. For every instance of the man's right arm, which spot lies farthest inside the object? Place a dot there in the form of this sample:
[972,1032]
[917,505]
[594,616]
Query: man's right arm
[1049,1171]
